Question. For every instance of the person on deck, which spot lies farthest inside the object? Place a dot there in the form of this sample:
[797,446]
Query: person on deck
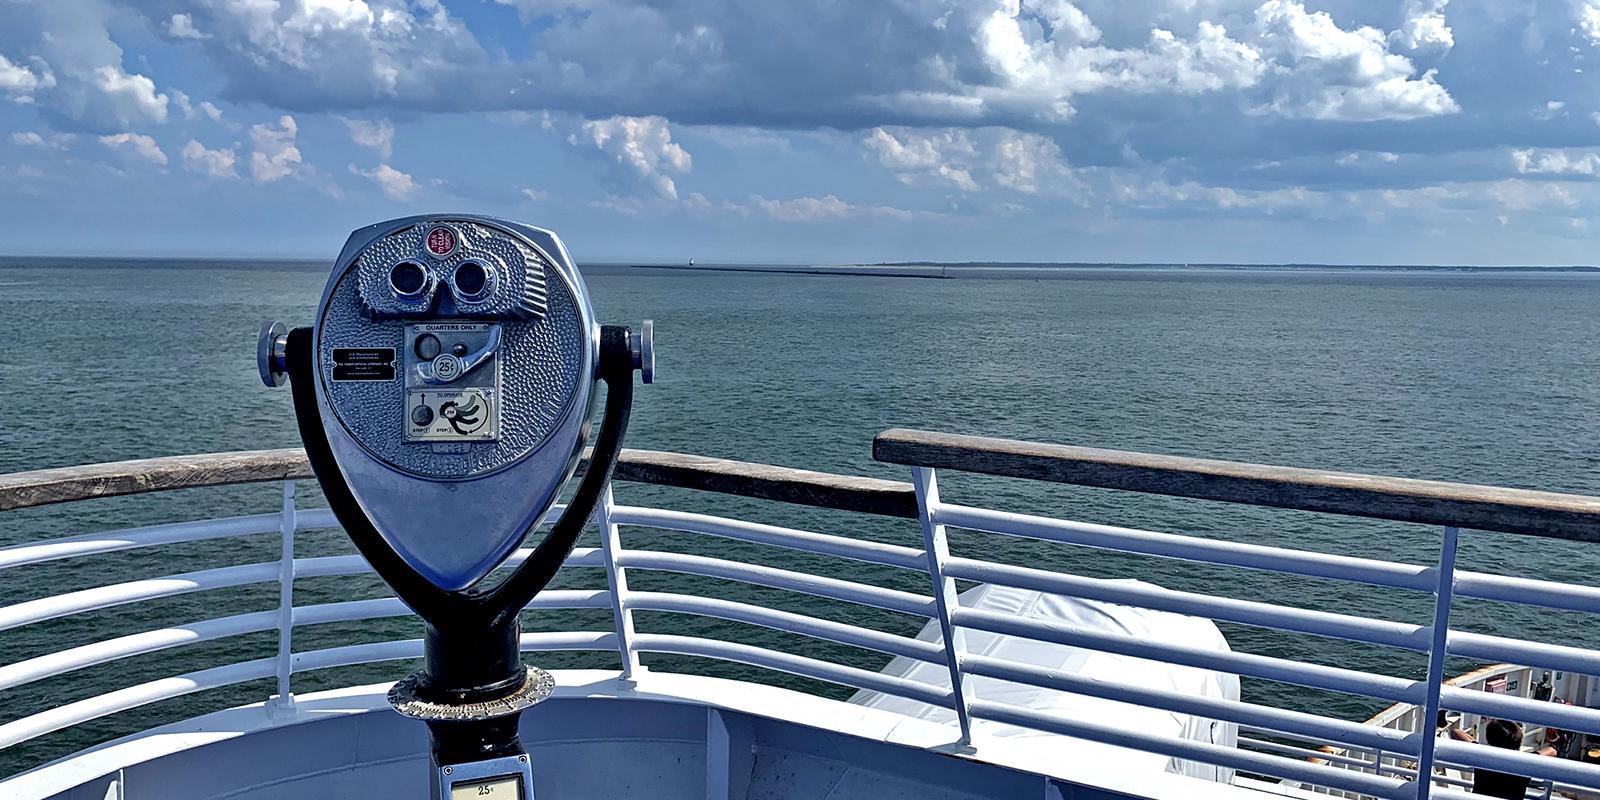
[1489,783]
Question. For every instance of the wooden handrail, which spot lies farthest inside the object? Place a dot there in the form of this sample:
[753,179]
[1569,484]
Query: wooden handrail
[1491,508]
[760,481]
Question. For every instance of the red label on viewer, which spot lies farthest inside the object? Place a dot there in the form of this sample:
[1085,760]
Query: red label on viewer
[441,241]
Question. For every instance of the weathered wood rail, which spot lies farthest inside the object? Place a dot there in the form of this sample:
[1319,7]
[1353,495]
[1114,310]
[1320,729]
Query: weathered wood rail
[759,481]
[1458,505]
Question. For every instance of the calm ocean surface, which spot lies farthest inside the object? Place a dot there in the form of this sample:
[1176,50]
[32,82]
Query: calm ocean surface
[1488,378]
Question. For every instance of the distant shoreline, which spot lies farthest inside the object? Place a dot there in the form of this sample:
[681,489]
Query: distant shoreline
[1046,271]
[890,269]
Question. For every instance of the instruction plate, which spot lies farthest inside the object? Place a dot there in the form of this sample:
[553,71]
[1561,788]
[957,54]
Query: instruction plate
[452,383]
[452,416]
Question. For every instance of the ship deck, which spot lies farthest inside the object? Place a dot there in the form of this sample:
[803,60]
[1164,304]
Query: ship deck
[662,736]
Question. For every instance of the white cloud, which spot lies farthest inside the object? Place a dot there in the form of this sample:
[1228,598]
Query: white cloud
[816,209]
[1555,162]
[131,99]
[77,81]
[1424,28]
[802,209]
[1551,110]
[1030,163]
[192,110]
[343,53]
[394,183]
[181,26]
[641,147]
[1329,73]
[1587,15]
[275,156]
[1045,72]
[535,195]
[219,163]
[137,145]
[1157,192]
[21,82]
[1020,161]
[1360,157]
[916,156]
[973,62]
[53,141]
[376,134]
[1526,195]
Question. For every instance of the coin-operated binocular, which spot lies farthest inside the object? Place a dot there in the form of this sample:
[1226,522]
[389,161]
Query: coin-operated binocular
[444,396]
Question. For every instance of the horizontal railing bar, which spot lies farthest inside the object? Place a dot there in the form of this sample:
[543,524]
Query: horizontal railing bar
[1190,548]
[780,661]
[1500,649]
[1394,769]
[1331,730]
[758,533]
[1479,756]
[1306,752]
[1316,676]
[172,533]
[760,481]
[1539,712]
[373,652]
[1452,793]
[1528,591]
[54,719]
[767,482]
[329,566]
[144,642]
[1245,612]
[1381,769]
[786,621]
[119,478]
[1561,516]
[816,585]
[1191,749]
[354,610]
[46,608]
[100,597]
[1317,740]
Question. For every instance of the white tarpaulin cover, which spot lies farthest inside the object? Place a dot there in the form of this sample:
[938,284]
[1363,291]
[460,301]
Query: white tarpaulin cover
[1093,615]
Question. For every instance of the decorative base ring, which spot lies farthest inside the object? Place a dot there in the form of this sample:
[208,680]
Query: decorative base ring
[403,697]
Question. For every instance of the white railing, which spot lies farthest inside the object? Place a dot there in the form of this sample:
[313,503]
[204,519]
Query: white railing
[1366,761]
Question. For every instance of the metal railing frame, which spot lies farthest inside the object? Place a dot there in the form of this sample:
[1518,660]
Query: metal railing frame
[920,500]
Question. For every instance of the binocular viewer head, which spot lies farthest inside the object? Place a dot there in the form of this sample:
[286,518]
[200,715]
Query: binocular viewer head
[459,268]
[455,360]
[444,395]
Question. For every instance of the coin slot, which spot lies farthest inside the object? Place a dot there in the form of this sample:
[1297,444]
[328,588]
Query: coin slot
[428,346]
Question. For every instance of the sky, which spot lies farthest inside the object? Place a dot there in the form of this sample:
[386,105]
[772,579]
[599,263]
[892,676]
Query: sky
[831,131]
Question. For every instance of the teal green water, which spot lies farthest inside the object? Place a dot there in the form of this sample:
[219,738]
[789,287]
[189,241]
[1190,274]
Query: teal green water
[1479,378]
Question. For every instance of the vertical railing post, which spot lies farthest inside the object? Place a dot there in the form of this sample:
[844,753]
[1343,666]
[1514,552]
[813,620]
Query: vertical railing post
[282,703]
[1443,593]
[937,548]
[617,579]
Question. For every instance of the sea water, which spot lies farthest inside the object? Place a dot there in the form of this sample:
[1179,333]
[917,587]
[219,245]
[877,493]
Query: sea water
[1483,378]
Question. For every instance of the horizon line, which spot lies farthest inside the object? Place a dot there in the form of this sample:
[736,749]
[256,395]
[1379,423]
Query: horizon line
[725,265]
